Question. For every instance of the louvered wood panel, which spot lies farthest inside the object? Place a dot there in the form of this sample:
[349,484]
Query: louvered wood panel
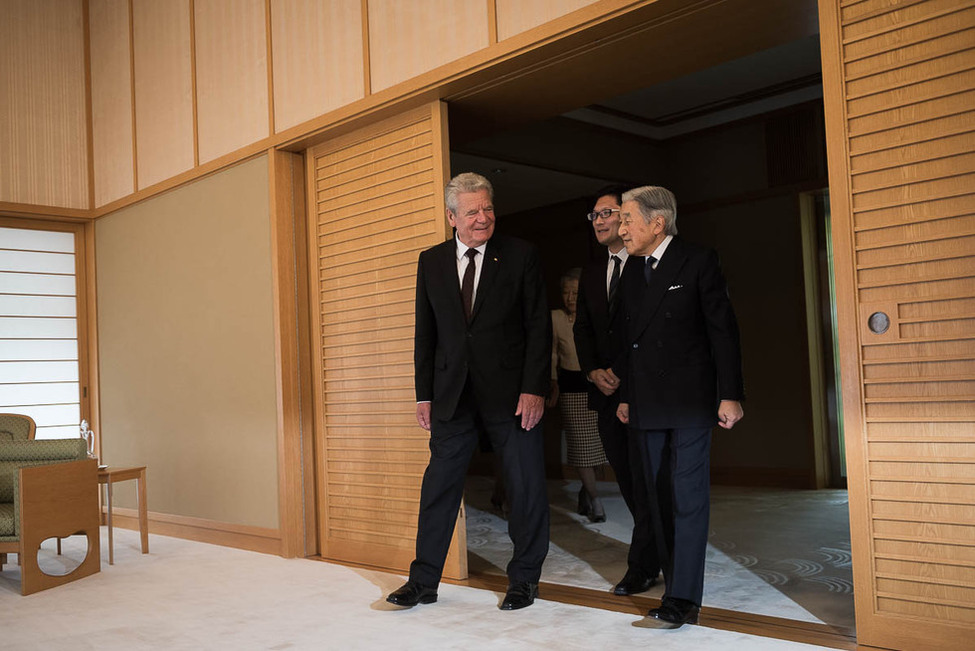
[899,85]
[376,202]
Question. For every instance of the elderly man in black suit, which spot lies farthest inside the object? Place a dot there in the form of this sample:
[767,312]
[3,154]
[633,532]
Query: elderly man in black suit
[682,377]
[482,354]
[598,334]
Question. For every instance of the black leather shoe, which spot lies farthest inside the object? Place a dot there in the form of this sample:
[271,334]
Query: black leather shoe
[412,594]
[674,613]
[520,595]
[634,582]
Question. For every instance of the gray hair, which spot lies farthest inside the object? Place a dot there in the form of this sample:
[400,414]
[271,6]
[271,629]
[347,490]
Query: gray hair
[466,182]
[575,273]
[654,200]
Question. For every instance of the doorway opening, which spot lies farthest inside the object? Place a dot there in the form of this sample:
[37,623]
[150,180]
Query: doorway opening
[742,145]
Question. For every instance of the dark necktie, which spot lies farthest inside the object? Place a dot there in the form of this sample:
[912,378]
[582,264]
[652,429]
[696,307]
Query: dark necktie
[614,284]
[648,270]
[467,286]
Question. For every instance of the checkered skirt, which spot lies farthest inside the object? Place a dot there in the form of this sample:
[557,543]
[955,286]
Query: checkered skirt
[583,447]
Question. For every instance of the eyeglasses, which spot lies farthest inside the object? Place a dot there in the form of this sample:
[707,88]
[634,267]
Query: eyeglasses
[605,213]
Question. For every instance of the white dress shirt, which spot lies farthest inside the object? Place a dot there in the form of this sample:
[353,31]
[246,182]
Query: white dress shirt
[623,256]
[661,249]
[463,261]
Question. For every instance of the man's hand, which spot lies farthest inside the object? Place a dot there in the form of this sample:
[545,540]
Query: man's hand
[729,413]
[605,380]
[623,412]
[423,410]
[530,408]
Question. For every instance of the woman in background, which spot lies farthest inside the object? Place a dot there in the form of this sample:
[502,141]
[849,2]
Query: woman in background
[569,389]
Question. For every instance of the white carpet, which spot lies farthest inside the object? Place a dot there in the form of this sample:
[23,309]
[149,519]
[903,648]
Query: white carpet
[188,595]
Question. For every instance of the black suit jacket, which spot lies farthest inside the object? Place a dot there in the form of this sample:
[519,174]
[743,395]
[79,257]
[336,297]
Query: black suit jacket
[598,334]
[682,346]
[505,350]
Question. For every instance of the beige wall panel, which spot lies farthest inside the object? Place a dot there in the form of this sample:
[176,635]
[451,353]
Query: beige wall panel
[187,347]
[517,16]
[231,75]
[111,99]
[317,58]
[43,111]
[409,38]
[163,89]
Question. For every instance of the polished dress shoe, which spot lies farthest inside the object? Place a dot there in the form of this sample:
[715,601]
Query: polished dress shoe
[674,613]
[411,594]
[520,595]
[634,582]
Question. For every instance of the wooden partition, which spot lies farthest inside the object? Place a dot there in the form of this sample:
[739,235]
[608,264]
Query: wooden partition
[376,201]
[900,103]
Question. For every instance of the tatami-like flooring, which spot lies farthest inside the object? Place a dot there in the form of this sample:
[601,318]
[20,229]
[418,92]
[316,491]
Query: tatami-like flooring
[772,552]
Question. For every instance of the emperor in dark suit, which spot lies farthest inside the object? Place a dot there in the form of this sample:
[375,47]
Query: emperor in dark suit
[598,334]
[482,354]
[682,377]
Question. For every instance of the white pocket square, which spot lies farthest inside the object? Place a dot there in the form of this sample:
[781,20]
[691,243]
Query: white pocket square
[673,287]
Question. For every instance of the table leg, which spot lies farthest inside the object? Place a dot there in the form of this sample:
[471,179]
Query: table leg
[111,547]
[143,513]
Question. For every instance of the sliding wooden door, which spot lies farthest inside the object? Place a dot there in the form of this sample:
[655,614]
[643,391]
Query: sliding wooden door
[376,202]
[899,84]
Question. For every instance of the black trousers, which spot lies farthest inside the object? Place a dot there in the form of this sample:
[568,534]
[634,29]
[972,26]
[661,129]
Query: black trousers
[674,465]
[620,451]
[452,443]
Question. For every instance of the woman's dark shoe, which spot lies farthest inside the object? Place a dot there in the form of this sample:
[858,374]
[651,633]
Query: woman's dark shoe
[584,502]
[596,512]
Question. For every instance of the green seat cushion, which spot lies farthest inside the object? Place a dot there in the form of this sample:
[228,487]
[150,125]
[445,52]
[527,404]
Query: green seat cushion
[6,519]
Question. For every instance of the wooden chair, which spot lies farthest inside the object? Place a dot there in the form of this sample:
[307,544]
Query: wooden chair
[17,427]
[54,490]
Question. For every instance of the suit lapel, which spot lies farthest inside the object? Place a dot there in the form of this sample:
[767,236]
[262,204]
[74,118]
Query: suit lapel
[491,265]
[447,270]
[661,280]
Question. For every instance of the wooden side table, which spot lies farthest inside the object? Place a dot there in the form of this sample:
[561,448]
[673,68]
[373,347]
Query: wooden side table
[109,476]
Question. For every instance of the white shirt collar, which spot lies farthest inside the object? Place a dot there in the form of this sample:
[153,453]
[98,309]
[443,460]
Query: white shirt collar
[462,248]
[658,252]
[621,254]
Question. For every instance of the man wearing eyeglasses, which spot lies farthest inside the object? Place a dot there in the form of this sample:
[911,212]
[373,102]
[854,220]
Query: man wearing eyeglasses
[598,334]
[682,377]
[482,355]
